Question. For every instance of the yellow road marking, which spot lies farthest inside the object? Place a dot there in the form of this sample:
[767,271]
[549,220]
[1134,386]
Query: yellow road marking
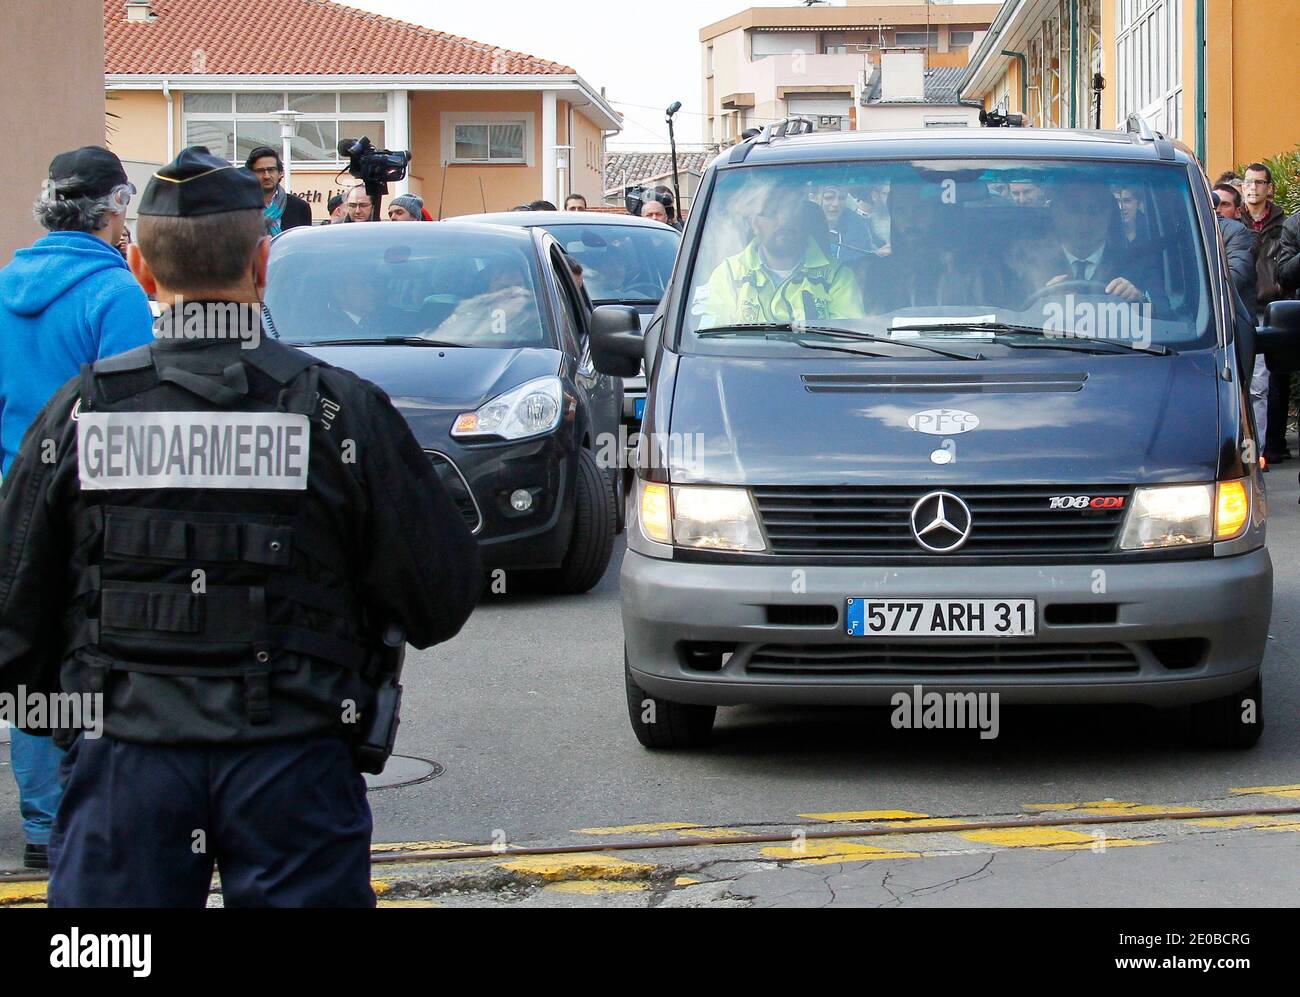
[21,893]
[1286,792]
[715,832]
[419,846]
[685,881]
[636,828]
[422,902]
[380,887]
[553,868]
[929,822]
[828,852]
[1054,838]
[853,816]
[589,887]
[1113,808]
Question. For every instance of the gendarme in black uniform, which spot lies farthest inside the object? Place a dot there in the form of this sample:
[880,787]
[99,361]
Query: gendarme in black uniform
[216,547]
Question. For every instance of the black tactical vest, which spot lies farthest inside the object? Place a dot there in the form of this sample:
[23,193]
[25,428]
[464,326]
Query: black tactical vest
[232,581]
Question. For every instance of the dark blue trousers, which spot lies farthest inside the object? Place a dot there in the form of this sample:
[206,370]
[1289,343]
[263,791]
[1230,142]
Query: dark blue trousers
[286,824]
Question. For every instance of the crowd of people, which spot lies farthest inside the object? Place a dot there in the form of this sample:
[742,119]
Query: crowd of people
[1263,245]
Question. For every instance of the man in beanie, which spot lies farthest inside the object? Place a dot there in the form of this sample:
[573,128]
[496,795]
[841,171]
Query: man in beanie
[215,538]
[406,208]
[67,300]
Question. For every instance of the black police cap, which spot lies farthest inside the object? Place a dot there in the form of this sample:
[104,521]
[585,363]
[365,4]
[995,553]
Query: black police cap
[199,183]
[96,170]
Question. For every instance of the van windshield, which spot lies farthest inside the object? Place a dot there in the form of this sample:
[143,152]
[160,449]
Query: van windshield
[1016,253]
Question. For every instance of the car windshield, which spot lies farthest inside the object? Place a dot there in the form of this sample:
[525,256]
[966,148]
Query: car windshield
[464,288]
[626,263]
[1021,254]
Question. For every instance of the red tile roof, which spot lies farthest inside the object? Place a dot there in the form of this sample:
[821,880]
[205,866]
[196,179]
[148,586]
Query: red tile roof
[311,37]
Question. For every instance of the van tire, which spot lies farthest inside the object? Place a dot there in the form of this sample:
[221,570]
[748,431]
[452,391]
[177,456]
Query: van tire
[1218,723]
[676,725]
[592,542]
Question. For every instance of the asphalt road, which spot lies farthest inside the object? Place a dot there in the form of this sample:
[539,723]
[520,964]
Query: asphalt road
[525,713]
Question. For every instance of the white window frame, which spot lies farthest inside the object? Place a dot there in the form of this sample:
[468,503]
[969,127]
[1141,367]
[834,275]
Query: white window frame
[1148,50]
[337,116]
[450,119]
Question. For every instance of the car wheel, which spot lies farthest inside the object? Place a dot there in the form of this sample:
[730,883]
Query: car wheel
[592,542]
[1234,721]
[662,724]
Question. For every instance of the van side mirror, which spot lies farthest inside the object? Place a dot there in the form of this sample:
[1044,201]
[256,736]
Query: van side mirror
[616,342]
[1279,337]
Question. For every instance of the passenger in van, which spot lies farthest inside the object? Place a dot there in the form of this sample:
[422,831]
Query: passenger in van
[782,274]
[1025,193]
[848,231]
[935,258]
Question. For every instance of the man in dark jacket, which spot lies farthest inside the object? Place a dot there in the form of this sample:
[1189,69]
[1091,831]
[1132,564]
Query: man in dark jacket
[1266,218]
[209,541]
[283,210]
[1240,243]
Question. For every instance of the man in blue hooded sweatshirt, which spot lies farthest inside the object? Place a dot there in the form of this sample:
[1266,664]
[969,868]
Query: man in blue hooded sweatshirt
[68,300]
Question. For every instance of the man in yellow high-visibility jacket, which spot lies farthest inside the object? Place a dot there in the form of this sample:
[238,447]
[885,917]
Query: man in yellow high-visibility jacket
[782,275]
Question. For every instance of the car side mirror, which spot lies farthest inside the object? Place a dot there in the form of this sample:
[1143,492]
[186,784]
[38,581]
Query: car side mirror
[616,342]
[1279,337]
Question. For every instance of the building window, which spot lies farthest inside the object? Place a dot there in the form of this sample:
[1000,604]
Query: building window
[497,138]
[957,39]
[233,124]
[489,142]
[1148,51]
[917,39]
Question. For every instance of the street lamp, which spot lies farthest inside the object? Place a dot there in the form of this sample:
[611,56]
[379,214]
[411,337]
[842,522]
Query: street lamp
[286,119]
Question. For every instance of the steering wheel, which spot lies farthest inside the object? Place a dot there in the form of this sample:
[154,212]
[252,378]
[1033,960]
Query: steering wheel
[1092,287]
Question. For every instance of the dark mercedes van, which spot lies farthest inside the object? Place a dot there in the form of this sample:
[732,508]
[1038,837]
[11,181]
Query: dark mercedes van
[992,435]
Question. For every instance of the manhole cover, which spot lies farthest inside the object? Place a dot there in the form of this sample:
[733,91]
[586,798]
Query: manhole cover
[403,770]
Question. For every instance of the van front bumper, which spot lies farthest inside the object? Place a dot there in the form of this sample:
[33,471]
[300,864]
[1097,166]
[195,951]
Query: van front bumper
[1160,633]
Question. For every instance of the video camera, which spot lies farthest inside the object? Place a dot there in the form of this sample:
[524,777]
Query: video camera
[634,198]
[1001,119]
[375,168]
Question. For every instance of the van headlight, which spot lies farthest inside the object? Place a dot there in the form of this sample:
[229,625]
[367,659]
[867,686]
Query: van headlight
[532,408]
[1177,515]
[701,516]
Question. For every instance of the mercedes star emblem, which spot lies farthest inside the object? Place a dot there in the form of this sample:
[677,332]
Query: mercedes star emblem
[941,522]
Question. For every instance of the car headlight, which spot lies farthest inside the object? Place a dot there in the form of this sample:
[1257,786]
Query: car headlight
[1177,515]
[702,516]
[532,408]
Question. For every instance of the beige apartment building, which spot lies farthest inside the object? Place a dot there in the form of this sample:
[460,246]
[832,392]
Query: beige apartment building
[488,128]
[767,63]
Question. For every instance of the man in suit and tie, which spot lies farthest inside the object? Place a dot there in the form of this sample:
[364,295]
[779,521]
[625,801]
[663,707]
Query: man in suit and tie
[1086,250]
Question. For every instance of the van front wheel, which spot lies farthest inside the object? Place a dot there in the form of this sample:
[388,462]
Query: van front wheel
[1234,721]
[662,724]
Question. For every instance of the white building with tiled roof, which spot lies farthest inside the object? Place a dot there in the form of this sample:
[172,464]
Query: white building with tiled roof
[488,127]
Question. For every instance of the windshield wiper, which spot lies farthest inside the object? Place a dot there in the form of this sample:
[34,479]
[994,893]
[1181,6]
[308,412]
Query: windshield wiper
[382,341]
[795,329]
[1081,344]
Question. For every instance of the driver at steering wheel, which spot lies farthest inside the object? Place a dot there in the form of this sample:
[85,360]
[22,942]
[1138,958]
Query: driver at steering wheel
[1084,248]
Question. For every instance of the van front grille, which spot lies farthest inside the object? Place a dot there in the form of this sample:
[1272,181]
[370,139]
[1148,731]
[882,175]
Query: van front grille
[912,659]
[874,521]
